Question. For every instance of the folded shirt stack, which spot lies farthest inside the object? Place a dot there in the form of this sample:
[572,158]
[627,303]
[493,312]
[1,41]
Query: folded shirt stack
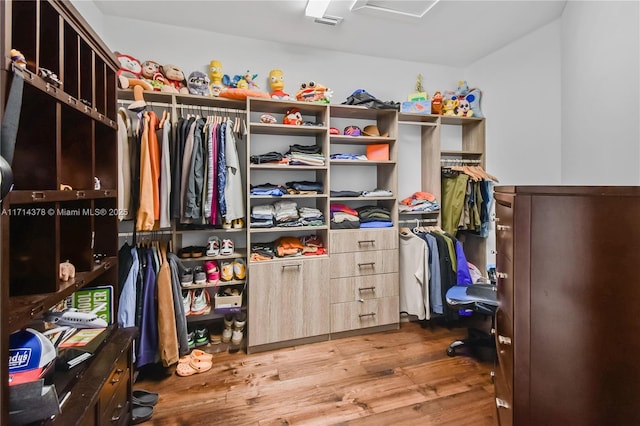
[268,189]
[262,216]
[348,157]
[419,202]
[377,193]
[343,217]
[304,187]
[374,217]
[285,211]
[302,159]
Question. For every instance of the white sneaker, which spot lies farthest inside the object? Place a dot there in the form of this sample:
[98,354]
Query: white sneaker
[186,301]
[201,304]
[236,337]
[226,335]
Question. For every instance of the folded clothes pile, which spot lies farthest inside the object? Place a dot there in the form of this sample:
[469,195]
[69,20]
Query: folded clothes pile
[308,245]
[419,202]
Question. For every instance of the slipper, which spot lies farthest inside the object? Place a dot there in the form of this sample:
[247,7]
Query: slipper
[140,413]
[192,367]
[201,355]
[143,397]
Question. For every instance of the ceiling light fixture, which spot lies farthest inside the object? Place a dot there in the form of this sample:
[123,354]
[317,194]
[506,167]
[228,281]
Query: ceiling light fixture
[390,7]
[316,8]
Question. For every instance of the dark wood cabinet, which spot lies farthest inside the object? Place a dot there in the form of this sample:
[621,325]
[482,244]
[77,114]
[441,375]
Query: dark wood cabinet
[67,136]
[567,322]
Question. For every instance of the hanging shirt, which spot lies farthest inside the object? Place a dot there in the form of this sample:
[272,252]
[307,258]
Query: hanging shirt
[233,192]
[414,276]
[165,177]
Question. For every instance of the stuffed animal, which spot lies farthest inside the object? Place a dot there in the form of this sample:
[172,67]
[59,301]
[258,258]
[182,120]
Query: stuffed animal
[215,74]
[449,106]
[67,271]
[130,72]
[276,82]
[314,92]
[18,59]
[436,103]
[250,79]
[198,83]
[175,80]
[464,108]
[151,73]
[472,96]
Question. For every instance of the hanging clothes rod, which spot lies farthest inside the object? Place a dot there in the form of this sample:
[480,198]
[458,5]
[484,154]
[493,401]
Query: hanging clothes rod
[210,108]
[418,221]
[147,233]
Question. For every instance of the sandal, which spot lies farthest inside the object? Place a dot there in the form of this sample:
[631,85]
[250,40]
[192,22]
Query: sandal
[213,273]
[192,367]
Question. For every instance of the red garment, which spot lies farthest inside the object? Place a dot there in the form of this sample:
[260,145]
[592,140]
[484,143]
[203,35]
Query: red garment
[154,154]
[418,196]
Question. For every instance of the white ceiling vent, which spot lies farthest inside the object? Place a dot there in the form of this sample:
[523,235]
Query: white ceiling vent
[403,9]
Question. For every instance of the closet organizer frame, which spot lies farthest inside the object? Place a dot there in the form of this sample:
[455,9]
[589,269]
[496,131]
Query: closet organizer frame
[182,105]
[472,151]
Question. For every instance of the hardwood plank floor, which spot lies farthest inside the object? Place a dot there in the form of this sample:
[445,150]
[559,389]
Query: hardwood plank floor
[401,377]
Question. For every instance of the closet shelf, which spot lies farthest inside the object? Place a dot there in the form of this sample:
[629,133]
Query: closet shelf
[22,309]
[47,196]
[360,140]
[361,162]
[418,119]
[281,167]
[419,213]
[461,152]
[361,198]
[217,230]
[215,314]
[273,197]
[238,253]
[452,119]
[219,284]
[286,259]
[277,106]
[287,229]
[188,100]
[360,112]
[286,129]
[64,98]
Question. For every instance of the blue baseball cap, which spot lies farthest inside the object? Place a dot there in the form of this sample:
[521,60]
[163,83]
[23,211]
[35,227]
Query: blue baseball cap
[30,355]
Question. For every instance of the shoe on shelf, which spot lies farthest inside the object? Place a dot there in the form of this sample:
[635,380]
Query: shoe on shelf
[213,272]
[191,339]
[238,223]
[185,252]
[198,251]
[226,273]
[201,304]
[228,328]
[199,277]
[225,224]
[239,269]
[239,322]
[187,299]
[213,246]
[202,336]
[227,247]
[187,278]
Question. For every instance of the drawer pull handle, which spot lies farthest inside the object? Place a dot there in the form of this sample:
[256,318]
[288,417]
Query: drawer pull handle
[291,266]
[503,227]
[115,418]
[370,314]
[366,242]
[503,340]
[361,300]
[502,275]
[360,265]
[38,196]
[35,311]
[115,380]
[501,403]
[373,288]
[81,194]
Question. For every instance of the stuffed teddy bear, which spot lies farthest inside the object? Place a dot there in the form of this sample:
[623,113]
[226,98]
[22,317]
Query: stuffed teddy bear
[130,72]
[215,74]
[174,78]
[198,83]
[151,73]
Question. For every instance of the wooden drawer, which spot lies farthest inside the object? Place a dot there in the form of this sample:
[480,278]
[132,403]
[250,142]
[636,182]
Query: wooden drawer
[117,379]
[504,230]
[364,263]
[504,346]
[504,272]
[117,411]
[365,313]
[503,401]
[363,240]
[368,287]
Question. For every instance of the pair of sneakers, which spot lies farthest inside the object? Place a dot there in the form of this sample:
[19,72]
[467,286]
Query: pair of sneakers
[235,223]
[216,247]
[196,301]
[233,269]
[193,276]
[197,337]
[234,328]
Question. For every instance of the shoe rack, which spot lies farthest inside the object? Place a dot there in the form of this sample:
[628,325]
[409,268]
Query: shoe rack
[66,136]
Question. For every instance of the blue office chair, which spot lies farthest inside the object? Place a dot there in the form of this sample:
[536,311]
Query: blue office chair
[480,298]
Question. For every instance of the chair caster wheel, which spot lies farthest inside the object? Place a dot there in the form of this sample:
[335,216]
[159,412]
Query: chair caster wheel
[451,352]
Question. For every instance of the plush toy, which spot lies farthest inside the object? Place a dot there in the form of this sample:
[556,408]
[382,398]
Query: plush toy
[232,82]
[464,108]
[198,83]
[174,78]
[293,117]
[436,103]
[151,73]
[215,74]
[449,106]
[472,96]
[130,72]
[67,271]
[276,82]
[250,79]
[314,92]
[18,59]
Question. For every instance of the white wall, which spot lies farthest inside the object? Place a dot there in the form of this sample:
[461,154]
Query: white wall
[91,14]
[600,92]
[522,102]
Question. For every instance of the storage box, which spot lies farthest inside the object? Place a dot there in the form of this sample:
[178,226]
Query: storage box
[221,302]
[378,152]
[417,107]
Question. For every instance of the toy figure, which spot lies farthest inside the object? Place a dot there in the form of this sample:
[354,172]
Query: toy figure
[436,103]
[292,117]
[313,92]
[198,83]
[276,81]
[249,78]
[215,74]
[151,73]
[174,78]
[464,108]
[449,106]
[419,94]
[18,59]
[130,72]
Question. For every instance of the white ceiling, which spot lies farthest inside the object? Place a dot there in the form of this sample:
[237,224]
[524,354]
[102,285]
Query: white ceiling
[455,33]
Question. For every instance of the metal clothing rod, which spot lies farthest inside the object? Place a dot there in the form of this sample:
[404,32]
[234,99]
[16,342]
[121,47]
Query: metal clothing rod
[418,221]
[459,161]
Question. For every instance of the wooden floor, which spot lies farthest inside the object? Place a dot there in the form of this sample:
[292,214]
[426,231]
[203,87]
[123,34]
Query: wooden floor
[400,377]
